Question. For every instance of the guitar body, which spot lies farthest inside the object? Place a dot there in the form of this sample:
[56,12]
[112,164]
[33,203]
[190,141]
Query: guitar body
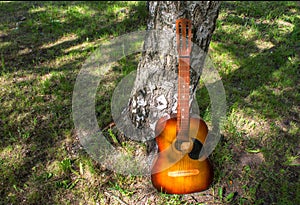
[188,174]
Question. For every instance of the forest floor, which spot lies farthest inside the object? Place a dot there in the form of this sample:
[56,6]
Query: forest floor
[43,45]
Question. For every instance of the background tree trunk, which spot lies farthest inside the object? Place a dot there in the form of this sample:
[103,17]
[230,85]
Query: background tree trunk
[155,88]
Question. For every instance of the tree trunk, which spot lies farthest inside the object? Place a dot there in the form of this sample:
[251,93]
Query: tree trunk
[155,89]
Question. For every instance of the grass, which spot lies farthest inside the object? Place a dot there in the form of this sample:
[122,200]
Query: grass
[43,45]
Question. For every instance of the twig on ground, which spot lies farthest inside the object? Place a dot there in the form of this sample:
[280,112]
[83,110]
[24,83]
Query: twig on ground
[115,197]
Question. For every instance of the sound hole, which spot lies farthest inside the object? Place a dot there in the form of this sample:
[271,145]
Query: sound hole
[197,146]
[183,146]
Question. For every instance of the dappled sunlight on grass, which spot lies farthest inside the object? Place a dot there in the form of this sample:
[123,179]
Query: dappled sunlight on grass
[42,49]
[63,39]
[83,46]
[37,9]
[258,61]
[5,45]
[63,62]
[13,156]
[263,45]
[43,45]
[219,53]
[251,124]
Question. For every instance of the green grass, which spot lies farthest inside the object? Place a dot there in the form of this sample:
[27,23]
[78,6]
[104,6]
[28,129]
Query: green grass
[255,48]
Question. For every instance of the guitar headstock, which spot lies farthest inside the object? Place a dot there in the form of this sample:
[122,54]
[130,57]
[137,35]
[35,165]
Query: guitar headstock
[184,36]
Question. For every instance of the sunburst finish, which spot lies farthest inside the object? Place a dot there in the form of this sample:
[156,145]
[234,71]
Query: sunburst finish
[187,175]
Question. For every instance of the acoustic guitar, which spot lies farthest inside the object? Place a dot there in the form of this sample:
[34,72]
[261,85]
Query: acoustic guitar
[178,168]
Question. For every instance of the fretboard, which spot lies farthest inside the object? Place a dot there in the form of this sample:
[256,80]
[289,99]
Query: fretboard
[183,38]
[183,108]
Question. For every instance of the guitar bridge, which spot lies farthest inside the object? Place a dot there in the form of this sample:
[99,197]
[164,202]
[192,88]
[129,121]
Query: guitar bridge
[183,173]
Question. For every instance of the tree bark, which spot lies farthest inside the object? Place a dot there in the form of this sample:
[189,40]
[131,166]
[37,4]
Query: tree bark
[155,88]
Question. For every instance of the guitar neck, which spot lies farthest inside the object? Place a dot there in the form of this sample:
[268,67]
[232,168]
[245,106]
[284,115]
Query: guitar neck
[183,108]
[183,38]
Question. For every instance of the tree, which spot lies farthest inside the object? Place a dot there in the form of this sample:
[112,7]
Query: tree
[155,87]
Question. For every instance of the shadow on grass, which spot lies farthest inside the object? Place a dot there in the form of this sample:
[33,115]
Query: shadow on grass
[35,126]
[49,29]
[36,113]
[265,84]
